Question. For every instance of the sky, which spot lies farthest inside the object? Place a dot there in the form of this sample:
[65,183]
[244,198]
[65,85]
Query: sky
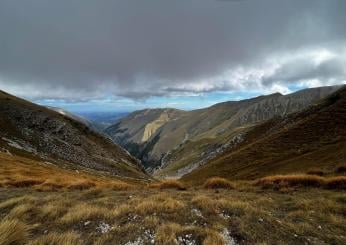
[124,55]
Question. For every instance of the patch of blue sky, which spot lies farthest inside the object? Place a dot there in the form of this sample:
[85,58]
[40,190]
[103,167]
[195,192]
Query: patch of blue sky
[119,104]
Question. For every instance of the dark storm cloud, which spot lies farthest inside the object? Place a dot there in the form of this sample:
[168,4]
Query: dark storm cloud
[83,48]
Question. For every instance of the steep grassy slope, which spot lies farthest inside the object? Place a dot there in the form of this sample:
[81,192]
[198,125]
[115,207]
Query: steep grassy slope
[36,132]
[313,138]
[184,141]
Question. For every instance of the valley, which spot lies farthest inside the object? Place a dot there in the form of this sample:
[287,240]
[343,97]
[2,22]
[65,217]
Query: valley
[258,171]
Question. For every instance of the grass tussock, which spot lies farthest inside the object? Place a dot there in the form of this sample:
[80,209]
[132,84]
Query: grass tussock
[169,205]
[340,169]
[318,172]
[291,180]
[13,231]
[168,184]
[54,238]
[81,185]
[338,182]
[84,211]
[218,183]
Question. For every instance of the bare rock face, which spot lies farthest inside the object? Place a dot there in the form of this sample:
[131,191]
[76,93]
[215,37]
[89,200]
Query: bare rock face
[158,136]
[52,135]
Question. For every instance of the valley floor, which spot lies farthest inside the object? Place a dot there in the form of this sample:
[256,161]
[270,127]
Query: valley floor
[248,215]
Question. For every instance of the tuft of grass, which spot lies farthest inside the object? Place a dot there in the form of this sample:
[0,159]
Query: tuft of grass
[169,205]
[83,212]
[13,231]
[318,172]
[213,238]
[278,181]
[24,183]
[166,233]
[22,210]
[218,183]
[340,169]
[338,182]
[168,184]
[291,180]
[54,238]
[210,206]
[81,185]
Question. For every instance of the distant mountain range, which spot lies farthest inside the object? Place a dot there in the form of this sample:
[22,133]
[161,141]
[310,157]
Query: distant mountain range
[172,143]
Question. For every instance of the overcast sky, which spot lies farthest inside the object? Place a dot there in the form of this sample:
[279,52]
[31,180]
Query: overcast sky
[125,55]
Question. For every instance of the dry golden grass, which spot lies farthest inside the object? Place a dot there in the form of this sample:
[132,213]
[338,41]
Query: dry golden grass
[83,211]
[22,172]
[218,183]
[168,184]
[210,206]
[340,169]
[250,217]
[316,171]
[338,182]
[291,180]
[54,238]
[168,205]
[166,234]
[13,231]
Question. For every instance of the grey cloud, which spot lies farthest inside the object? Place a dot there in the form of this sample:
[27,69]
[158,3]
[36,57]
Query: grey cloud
[306,69]
[86,48]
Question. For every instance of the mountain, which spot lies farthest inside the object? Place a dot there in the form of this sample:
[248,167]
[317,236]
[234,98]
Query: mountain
[172,143]
[75,117]
[36,132]
[314,138]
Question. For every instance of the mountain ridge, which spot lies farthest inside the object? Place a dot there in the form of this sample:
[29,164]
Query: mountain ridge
[38,132]
[219,121]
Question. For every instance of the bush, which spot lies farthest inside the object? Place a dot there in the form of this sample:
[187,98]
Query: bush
[218,183]
[168,184]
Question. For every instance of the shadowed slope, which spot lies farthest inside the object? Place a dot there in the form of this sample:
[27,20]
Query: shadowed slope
[37,132]
[315,137]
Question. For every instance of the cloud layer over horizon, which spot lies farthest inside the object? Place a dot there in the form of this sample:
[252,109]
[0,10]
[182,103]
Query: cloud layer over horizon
[80,50]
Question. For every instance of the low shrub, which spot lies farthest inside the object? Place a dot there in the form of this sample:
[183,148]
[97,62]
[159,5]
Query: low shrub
[218,183]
